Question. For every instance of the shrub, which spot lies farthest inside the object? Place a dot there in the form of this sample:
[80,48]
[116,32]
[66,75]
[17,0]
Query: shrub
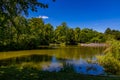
[111,64]
[111,60]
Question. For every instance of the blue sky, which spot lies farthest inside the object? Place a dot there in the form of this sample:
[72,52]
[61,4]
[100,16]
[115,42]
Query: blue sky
[95,14]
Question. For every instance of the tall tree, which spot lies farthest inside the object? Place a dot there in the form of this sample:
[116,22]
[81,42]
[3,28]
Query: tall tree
[12,8]
[48,32]
[77,34]
[61,32]
[70,39]
[36,26]
[108,31]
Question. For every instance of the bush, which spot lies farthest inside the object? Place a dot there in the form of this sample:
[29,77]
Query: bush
[111,64]
[113,49]
[111,60]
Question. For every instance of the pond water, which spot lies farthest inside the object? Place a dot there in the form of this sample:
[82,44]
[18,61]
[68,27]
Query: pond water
[67,59]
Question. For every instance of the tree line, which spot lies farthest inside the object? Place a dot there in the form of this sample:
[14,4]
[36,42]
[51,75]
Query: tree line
[31,33]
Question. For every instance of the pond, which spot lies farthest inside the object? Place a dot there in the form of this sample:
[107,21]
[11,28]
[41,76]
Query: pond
[67,59]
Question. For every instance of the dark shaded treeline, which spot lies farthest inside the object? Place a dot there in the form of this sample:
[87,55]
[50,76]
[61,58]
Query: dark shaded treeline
[31,33]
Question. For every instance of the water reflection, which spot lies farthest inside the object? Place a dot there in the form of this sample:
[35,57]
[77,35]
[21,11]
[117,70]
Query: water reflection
[68,59]
[79,66]
[83,67]
[54,64]
[30,58]
[69,52]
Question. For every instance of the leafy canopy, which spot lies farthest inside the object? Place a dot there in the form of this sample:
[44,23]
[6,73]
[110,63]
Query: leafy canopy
[9,9]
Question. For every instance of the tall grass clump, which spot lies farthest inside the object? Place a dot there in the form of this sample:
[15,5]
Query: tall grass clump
[111,59]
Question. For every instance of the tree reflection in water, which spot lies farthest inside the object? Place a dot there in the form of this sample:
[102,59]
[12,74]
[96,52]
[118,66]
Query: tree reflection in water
[54,64]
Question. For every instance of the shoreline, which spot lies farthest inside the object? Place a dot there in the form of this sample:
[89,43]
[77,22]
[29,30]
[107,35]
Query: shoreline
[93,44]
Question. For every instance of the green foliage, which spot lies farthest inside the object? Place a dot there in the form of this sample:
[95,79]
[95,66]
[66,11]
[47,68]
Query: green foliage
[13,73]
[27,34]
[9,9]
[108,31]
[112,33]
[111,64]
[70,36]
[73,36]
[61,33]
[99,37]
[15,7]
[113,49]
[48,33]
[111,60]
[31,33]
[77,34]
[89,35]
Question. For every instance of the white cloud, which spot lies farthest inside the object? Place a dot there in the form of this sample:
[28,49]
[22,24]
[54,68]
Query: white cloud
[43,17]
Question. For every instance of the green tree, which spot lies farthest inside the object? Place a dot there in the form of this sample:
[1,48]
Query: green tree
[9,9]
[77,34]
[4,35]
[48,33]
[98,38]
[61,32]
[12,36]
[116,34]
[112,33]
[36,26]
[86,35]
[14,29]
[70,39]
[108,31]
[111,60]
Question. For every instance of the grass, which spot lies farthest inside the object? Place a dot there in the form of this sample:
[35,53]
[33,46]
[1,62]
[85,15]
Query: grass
[14,73]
